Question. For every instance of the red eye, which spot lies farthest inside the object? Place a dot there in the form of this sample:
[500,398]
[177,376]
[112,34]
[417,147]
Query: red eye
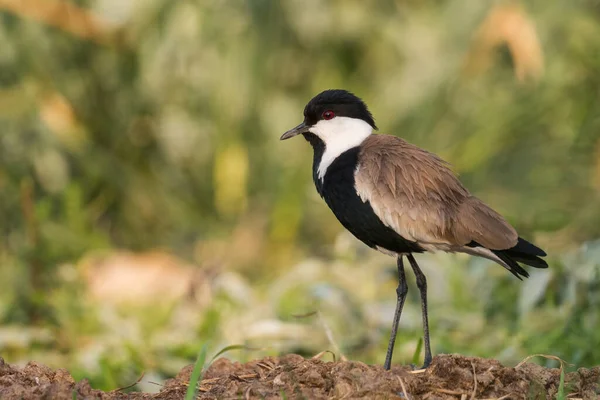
[328,114]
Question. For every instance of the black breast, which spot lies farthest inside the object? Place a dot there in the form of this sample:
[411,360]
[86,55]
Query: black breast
[339,192]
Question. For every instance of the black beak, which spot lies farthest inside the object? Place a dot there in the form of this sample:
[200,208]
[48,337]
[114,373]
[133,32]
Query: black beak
[302,128]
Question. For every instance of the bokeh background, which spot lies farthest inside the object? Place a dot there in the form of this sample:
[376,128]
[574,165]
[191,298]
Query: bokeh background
[147,206]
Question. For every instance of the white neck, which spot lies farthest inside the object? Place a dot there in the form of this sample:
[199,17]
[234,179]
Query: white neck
[339,134]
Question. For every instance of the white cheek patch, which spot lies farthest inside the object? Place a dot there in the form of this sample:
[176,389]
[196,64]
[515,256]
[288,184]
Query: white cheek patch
[339,134]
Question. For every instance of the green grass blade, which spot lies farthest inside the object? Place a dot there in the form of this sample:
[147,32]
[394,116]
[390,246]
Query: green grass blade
[196,374]
[560,395]
[417,353]
[229,348]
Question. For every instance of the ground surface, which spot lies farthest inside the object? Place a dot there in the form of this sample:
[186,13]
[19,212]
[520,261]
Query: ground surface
[291,377]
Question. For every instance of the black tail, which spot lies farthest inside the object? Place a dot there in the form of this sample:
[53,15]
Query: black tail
[524,253]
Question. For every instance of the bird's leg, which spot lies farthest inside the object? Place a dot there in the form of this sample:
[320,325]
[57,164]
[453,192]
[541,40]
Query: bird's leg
[401,292]
[422,285]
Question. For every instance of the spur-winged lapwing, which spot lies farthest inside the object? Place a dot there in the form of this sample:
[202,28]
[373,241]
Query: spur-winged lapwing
[400,199]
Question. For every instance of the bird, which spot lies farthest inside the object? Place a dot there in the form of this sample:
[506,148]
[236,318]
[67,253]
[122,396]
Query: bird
[400,199]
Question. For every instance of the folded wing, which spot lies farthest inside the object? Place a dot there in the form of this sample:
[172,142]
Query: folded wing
[415,193]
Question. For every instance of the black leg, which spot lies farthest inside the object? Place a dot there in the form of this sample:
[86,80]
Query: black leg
[401,292]
[422,285]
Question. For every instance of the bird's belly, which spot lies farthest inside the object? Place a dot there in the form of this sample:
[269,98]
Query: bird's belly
[357,216]
[360,219]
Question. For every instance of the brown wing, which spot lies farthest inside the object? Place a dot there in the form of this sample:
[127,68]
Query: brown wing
[415,193]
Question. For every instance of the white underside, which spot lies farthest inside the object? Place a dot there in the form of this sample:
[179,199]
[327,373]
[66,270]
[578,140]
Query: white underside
[474,251]
[339,135]
[482,252]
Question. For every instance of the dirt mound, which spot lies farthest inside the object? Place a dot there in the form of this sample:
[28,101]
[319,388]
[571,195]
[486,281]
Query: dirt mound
[291,376]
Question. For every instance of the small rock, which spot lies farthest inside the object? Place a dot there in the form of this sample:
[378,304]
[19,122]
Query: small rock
[278,381]
[313,378]
[342,389]
[62,375]
[291,359]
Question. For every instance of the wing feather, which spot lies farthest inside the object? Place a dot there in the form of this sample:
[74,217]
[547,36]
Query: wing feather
[415,193]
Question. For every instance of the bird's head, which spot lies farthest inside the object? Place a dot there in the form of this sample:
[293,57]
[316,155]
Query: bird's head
[337,117]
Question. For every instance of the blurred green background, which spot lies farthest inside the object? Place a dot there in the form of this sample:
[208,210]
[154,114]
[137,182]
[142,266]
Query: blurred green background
[147,206]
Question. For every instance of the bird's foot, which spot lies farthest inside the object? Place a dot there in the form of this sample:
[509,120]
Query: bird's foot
[426,362]
[421,368]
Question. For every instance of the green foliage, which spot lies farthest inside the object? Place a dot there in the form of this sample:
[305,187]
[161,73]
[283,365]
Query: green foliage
[197,373]
[417,355]
[561,387]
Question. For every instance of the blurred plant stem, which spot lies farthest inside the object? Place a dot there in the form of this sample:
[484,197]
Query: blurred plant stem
[32,293]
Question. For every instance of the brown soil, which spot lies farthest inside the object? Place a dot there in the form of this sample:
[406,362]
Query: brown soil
[292,377]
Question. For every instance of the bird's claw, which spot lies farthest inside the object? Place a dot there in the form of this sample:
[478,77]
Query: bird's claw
[421,368]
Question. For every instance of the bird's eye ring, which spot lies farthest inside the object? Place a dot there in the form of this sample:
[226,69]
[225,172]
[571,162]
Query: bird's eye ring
[328,114]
